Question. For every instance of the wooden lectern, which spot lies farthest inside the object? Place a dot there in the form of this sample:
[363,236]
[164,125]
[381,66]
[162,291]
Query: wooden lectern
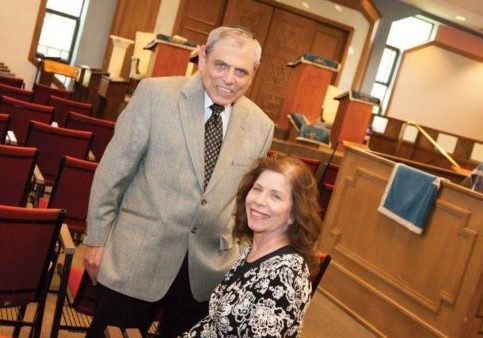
[353,117]
[170,56]
[307,86]
[111,97]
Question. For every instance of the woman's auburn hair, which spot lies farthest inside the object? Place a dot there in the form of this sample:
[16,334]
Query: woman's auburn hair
[305,230]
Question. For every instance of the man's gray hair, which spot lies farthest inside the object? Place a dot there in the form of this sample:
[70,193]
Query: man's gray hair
[238,34]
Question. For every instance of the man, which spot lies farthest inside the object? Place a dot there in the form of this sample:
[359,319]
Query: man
[159,225]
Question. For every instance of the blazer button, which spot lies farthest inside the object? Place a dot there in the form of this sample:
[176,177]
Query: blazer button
[203,201]
[194,230]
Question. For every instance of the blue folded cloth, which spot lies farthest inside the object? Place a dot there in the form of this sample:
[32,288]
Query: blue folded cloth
[315,133]
[409,197]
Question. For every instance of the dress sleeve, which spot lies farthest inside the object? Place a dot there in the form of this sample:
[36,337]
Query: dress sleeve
[281,300]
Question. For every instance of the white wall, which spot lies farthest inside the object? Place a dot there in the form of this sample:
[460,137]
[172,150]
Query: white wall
[95,35]
[440,89]
[17,22]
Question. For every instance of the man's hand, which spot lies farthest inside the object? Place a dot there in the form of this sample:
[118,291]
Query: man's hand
[92,261]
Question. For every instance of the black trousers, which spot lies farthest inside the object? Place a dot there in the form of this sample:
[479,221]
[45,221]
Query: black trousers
[181,310]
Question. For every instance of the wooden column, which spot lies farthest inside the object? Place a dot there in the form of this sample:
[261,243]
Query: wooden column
[170,56]
[307,86]
[353,117]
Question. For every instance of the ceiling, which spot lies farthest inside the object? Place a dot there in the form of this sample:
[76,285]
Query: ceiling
[472,10]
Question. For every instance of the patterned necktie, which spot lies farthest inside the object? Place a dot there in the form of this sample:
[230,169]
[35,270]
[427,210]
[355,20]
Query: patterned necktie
[213,140]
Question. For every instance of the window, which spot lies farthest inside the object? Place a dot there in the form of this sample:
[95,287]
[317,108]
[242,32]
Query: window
[404,34]
[60,28]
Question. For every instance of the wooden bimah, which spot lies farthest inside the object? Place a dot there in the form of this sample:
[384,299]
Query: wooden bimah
[395,282]
[170,56]
[353,118]
[307,86]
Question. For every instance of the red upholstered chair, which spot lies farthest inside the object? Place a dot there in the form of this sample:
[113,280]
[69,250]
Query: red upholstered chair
[54,143]
[15,92]
[30,243]
[62,106]
[4,127]
[316,277]
[21,113]
[16,170]
[42,93]
[313,164]
[71,192]
[103,130]
[12,81]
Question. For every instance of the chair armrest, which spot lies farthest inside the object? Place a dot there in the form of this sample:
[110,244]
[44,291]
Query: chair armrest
[66,240]
[39,186]
[91,157]
[68,246]
[38,177]
[11,139]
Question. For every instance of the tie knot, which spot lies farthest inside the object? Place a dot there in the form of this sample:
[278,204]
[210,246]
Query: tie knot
[216,108]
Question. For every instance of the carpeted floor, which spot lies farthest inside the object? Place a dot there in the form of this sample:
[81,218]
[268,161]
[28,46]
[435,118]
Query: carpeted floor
[324,319]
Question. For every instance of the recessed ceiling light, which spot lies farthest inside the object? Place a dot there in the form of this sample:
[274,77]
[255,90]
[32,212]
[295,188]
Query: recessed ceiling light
[338,8]
[304,4]
[460,18]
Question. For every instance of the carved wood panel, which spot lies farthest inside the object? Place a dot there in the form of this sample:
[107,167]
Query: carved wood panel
[197,18]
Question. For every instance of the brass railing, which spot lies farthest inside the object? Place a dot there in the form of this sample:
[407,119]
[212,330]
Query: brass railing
[429,138]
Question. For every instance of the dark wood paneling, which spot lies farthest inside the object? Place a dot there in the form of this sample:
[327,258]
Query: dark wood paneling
[197,18]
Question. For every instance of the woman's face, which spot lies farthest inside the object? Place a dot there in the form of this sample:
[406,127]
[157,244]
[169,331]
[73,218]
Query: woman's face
[269,204]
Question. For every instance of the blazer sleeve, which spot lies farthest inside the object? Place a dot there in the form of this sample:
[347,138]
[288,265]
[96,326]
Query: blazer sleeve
[118,165]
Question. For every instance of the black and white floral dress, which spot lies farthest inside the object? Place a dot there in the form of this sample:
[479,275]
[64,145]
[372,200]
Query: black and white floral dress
[264,298]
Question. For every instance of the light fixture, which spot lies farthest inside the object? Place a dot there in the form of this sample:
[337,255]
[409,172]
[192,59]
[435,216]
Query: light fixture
[305,5]
[338,8]
[460,18]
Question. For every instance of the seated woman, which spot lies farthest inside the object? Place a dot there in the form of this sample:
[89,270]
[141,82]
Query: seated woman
[267,292]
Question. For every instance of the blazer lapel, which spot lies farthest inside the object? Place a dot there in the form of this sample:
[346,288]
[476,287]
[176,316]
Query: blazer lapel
[192,120]
[234,136]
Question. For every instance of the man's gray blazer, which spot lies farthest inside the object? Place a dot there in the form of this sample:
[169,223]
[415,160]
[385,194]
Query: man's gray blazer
[147,204]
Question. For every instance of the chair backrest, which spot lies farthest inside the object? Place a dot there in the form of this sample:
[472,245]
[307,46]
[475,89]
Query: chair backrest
[15,92]
[72,189]
[21,113]
[103,130]
[12,81]
[28,238]
[54,143]
[62,106]
[316,277]
[16,169]
[4,127]
[42,93]
[312,164]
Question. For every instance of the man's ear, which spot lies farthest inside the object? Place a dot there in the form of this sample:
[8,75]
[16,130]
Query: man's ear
[202,54]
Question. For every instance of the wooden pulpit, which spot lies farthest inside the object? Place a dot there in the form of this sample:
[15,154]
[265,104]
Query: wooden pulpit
[111,97]
[353,117]
[307,86]
[170,56]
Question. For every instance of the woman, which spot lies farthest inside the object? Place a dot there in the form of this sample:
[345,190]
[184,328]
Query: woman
[266,293]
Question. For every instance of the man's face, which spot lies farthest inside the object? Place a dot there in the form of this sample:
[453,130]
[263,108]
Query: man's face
[227,71]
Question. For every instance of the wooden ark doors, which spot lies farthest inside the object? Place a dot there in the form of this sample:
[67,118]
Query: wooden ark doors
[285,33]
